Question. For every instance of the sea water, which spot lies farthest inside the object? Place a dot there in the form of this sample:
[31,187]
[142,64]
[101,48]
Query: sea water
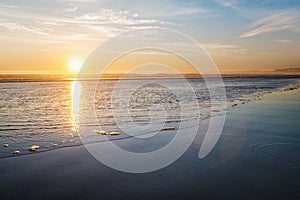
[44,113]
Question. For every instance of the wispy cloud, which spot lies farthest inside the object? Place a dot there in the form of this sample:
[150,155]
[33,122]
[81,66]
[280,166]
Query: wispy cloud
[3,5]
[121,17]
[72,8]
[70,23]
[265,20]
[81,1]
[179,12]
[16,27]
[284,41]
[224,49]
[280,21]
[50,23]
[226,2]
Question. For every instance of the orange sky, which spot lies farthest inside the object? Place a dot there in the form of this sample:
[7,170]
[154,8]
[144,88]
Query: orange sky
[45,38]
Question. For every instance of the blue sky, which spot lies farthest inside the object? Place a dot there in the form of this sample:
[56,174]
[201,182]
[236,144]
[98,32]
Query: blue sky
[240,35]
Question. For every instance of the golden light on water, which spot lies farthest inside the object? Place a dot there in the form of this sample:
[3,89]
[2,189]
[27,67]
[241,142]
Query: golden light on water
[75,94]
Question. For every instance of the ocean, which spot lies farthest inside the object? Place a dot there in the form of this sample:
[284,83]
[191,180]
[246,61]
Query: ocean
[49,113]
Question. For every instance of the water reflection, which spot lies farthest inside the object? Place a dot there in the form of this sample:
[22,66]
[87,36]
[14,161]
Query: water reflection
[75,93]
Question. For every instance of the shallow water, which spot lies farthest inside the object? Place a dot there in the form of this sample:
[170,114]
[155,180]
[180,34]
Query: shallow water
[43,113]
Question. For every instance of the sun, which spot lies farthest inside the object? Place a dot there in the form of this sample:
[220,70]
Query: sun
[75,64]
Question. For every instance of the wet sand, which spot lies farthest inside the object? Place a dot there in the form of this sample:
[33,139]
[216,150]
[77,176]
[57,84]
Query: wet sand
[257,156]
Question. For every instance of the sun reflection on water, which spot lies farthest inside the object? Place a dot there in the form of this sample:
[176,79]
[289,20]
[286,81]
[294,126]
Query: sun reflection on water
[75,93]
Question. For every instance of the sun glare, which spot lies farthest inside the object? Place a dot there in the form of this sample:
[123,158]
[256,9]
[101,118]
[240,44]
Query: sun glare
[75,64]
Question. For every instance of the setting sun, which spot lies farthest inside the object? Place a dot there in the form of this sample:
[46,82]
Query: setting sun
[75,65]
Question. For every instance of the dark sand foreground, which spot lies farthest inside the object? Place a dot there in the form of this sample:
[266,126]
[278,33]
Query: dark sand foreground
[257,157]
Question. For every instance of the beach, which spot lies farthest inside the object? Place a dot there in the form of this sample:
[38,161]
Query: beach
[256,157]
[149,100]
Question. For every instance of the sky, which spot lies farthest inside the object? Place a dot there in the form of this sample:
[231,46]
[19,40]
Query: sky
[56,36]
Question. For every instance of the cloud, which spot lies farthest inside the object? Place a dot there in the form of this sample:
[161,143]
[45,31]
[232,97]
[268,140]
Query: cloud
[265,20]
[51,23]
[75,24]
[121,17]
[285,20]
[143,27]
[178,12]
[190,11]
[82,1]
[77,37]
[284,41]
[7,6]
[72,8]
[16,27]
[226,3]
[224,49]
